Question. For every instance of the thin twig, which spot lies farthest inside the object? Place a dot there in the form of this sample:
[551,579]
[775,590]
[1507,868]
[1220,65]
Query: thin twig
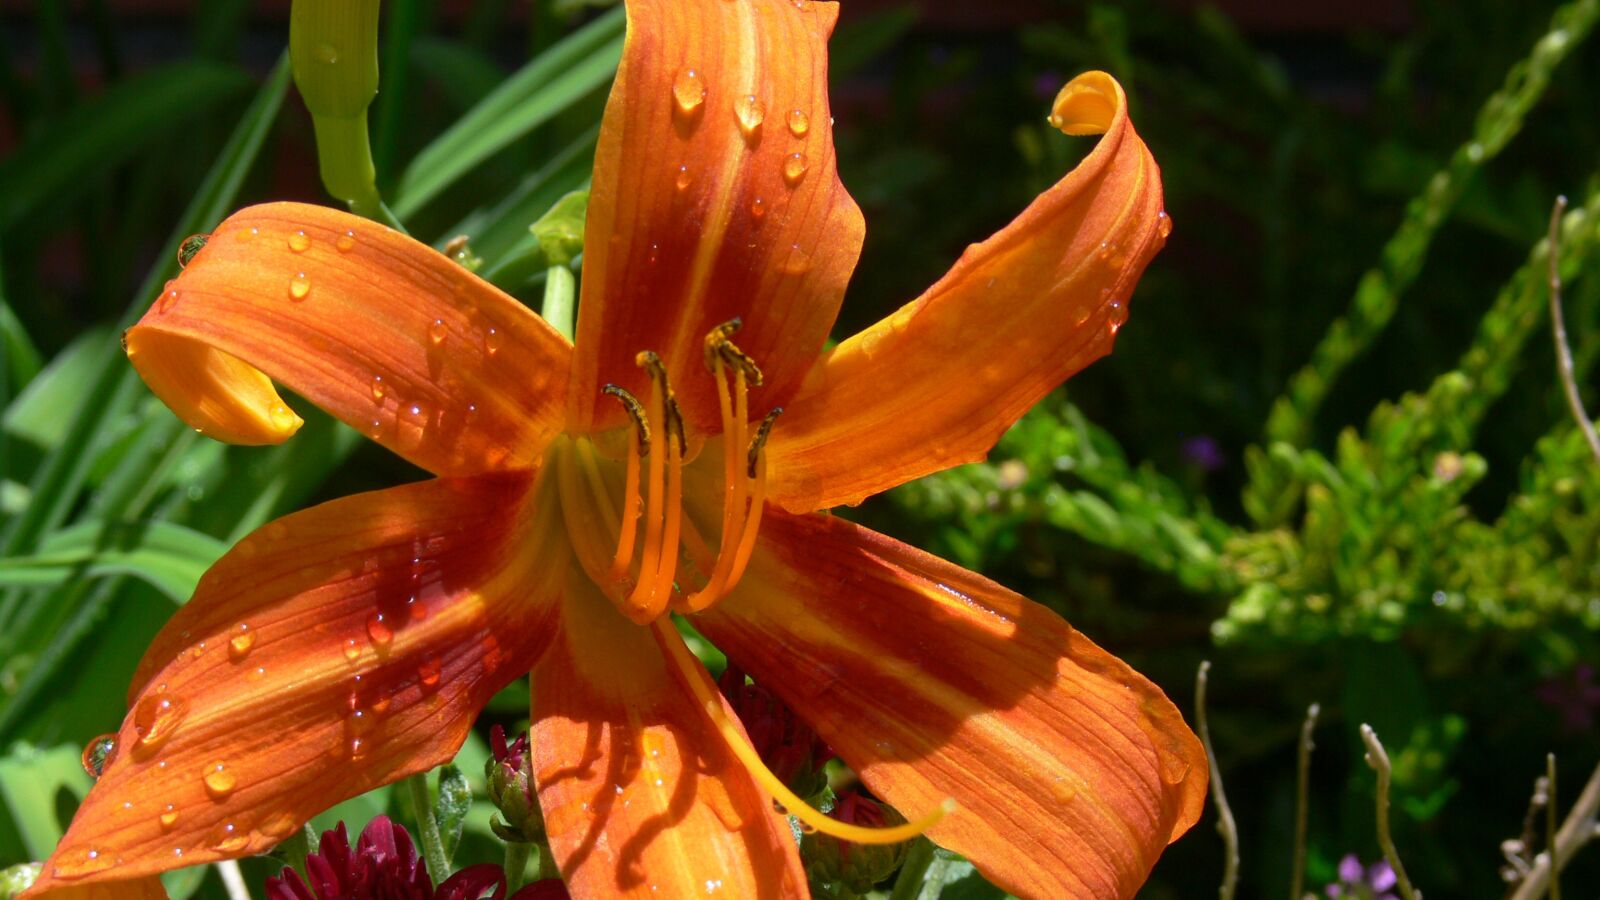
[1225,824]
[1378,759]
[1558,329]
[1515,850]
[1550,817]
[1302,791]
[1576,830]
[232,879]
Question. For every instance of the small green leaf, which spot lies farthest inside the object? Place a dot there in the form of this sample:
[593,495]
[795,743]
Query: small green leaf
[35,415]
[30,781]
[455,799]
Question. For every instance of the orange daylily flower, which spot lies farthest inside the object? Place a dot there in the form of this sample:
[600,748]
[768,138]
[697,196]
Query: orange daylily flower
[586,489]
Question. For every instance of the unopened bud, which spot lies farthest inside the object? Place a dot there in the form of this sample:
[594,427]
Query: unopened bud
[333,48]
[510,775]
[787,745]
[560,230]
[856,867]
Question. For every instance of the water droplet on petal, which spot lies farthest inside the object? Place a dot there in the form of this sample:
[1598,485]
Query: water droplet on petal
[359,722]
[688,91]
[437,331]
[1163,224]
[298,242]
[299,286]
[169,817]
[219,781]
[98,754]
[492,340]
[346,242]
[240,644]
[758,208]
[751,112]
[231,840]
[379,631]
[191,246]
[654,254]
[417,608]
[155,717]
[378,389]
[280,825]
[357,748]
[684,178]
[429,671]
[282,416]
[352,649]
[799,122]
[256,674]
[794,168]
[169,297]
[248,234]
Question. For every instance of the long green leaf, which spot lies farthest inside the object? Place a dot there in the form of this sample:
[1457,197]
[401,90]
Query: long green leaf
[573,68]
[29,782]
[168,556]
[106,130]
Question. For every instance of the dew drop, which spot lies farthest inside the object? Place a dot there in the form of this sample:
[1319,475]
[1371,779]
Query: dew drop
[375,427]
[794,168]
[799,122]
[169,817]
[177,852]
[378,389]
[240,644]
[472,413]
[688,91]
[379,631]
[98,754]
[282,416]
[219,781]
[750,112]
[256,674]
[758,208]
[357,748]
[684,178]
[380,704]
[327,54]
[248,234]
[168,298]
[155,717]
[437,331]
[492,340]
[654,254]
[298,242]
[352,649]
[346,242]
[93,860]
[429,671]
[417,608]
[191,246]
[280,825]
[1163,224]
[1062,790]
[231,840]
[1106,249]
[359,722]
[299,286]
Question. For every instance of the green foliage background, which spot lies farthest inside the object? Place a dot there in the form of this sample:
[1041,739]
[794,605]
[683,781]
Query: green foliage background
[1330,452]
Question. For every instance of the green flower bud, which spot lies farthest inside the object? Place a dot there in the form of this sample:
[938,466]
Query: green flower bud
[855,867]
[560,231]
[510,775]
[333,47]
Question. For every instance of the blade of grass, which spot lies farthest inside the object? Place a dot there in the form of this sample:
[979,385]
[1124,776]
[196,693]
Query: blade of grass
[577,66]
[406,18]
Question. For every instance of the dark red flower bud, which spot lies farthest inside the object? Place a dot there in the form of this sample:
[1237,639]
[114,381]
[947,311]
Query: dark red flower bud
[787,745]
[855,866]
[548,889]
[510,776]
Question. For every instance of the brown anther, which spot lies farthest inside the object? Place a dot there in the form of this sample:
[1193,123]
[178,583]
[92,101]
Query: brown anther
[719,347]
[674,417]
[635,411]
[455,245]
[718,336]
[760,440]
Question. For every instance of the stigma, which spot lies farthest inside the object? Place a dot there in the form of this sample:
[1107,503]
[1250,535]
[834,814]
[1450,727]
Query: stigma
[640,547]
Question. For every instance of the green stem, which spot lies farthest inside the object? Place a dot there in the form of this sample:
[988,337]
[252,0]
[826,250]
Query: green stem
[547,861]
[516,865]
[560,296]
[428,828]
[914,873]
[298,847]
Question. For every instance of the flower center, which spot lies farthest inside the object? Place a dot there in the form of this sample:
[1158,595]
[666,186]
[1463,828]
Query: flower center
[652,555]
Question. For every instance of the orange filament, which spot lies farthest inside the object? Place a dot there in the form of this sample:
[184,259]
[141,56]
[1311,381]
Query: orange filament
[699,682]
[752,524]
[630,511]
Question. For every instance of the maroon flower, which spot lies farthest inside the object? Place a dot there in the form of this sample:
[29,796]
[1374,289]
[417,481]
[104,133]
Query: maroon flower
[1574,695]
[385,866]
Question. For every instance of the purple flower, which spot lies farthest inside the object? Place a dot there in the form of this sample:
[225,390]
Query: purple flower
[1203,452]
[1374,882]
[1575,696]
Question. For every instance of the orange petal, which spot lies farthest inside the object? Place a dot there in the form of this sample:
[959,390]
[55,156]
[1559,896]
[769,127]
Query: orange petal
[330,652]
[1071,771]
[135,889]
[640,795]
[715,196]
[380,330]
[935,384]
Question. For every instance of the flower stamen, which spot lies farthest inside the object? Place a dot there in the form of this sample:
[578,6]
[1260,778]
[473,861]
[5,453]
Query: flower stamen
[699,683]
[664,501]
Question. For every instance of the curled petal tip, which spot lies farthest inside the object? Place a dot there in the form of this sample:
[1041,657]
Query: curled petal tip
[1087,104]
[215,392]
